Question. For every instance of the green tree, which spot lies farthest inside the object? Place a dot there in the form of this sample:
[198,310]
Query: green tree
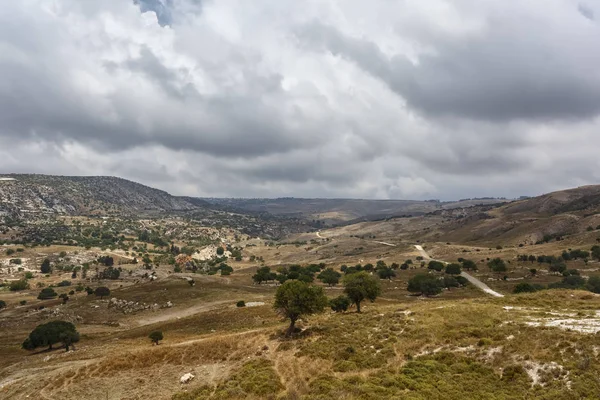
[453,269]
[46,294]
[436,265]
[46,268]
[386,273]
[294,299]
[329,277]
[361,286]
[425,284]
[497,265]
[156,337]
[102,291]
[51,333]
[593,284]
[469,265]
[340,303]
[264,274]
[596,252]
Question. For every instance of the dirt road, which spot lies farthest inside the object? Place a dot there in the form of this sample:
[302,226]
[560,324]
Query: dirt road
[467,276]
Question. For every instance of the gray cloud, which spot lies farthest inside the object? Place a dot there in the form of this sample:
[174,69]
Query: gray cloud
[439,99]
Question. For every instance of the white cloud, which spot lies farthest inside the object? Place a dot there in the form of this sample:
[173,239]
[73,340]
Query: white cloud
[286,98]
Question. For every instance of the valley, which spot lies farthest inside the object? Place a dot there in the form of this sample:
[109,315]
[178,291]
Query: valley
[494,301]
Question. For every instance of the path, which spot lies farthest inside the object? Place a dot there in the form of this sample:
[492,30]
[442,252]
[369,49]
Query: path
[467,276]
[319,235]
[385,243]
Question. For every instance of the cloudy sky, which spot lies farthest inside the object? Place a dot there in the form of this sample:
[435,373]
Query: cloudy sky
[315,98]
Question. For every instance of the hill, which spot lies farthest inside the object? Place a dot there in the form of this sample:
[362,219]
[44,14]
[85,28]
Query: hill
[21,195]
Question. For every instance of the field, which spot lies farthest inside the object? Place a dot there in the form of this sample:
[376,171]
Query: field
[185,278]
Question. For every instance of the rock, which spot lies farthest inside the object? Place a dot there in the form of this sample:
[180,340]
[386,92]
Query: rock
[187,378]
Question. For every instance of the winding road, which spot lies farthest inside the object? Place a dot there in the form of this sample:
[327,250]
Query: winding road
[467,276]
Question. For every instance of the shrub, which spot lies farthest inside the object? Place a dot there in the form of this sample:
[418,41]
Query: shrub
[102,291]
[23,302]
[425,284]
[46,294]
[453,269]
[2,304]
[220,251]
[63,283]
[156,337]
[240,303]
[593,284]
[340,303]
[21,284]
[525,287]
[10,252]
[28,275]
[386,273]
[436,265]
[329,277]
[497,265]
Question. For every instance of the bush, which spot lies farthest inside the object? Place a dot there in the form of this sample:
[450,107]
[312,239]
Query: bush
[525,287]
[28,275]
[2,304]
[21,284]
[436,266]
[329,277]
[340,304]
[10,252]
[46,294]
[156,337]
[102,291]
[453,269]
[593,284]
[240,303]
[63,283]
[220,251]
[425,284]
[386,273]
[497,265]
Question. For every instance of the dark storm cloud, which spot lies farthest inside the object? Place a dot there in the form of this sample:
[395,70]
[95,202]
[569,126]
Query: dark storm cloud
[514,70]
[340,99]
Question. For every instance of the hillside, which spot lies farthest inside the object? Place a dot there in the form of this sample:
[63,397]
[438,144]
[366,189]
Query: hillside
[22,195]
[338,211]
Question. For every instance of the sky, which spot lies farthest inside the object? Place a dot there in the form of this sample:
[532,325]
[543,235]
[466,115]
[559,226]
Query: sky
[405,99]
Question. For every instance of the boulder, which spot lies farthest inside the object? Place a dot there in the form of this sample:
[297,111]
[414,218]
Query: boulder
[187,378]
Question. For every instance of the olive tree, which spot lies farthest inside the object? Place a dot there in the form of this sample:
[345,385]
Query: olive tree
[361,286]
[295,299]
[51,333]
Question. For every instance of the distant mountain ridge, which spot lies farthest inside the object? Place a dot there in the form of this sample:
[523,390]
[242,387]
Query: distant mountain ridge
[84,195]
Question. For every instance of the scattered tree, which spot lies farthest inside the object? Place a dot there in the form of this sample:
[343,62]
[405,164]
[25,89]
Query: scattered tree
[386,273]
[46,268]
[497,265]
[294,299]
[453,269]
[361,286]
[425,284]
[102,291]
[156,337]
[329,277]
[51,333]
[46,294]
[436,265]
